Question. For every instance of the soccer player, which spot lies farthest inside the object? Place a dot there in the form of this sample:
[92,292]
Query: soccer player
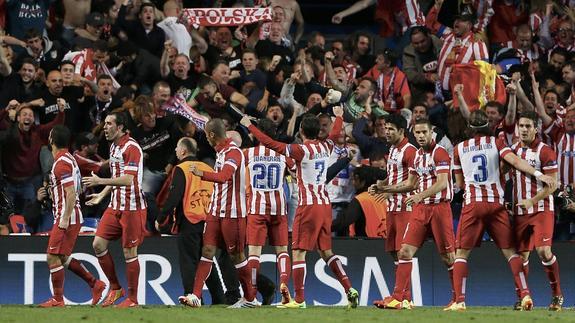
[430,176]
[477,170]
[534,211]
[267,208]
[125,216]
[65,188]
[227,219]
[312,223]
[401,155]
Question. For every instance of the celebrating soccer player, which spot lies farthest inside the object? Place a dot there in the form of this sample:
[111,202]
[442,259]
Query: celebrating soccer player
[401,155]
[125,216]
[312,223]
[267,208]
[227,219]
[431,209]
[476,165]
[65,188]
[534,211]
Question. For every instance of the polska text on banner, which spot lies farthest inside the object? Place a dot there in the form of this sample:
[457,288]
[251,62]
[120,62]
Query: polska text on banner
[178,105]
[224,16]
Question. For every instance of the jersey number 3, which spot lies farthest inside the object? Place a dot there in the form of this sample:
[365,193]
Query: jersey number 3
[481,162]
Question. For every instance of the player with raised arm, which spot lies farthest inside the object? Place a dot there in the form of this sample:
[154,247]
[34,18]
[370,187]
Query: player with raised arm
[267,208]
[125,216]
[534,209]
[477,171]
[430,176]
[312,223]
[401,156]
[227,220]
[65,189]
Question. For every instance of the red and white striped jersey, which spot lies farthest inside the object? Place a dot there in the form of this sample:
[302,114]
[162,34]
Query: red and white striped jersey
[312,161]
[427,165]
[457,50]
[265,173]
[565,149]
[543,159]
[398,162]
[65,172]
[478,159]
[126,158]
[229,177]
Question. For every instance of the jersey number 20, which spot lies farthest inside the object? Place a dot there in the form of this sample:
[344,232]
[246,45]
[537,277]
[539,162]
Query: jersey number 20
[266,177]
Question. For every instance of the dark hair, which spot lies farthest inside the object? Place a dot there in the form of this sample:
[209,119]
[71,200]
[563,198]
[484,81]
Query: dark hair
[32,33]
[552,91]
[120,119]
[249,51]
[397,120]
[424,121]
[419,29]
[560,51]
[100,45]
[310,126]
[206,80]
[28,60]
[146,4]
[389,55]
[500,107]
[218,63]
[531,115]
[103,77]
[60,135]
[67,62]
[268,127]
[367,174]
[571,64]
[479,123]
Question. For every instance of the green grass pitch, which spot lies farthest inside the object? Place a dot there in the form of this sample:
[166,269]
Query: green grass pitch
[168,314]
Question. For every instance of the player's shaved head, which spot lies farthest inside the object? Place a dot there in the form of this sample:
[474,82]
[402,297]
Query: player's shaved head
[217,127]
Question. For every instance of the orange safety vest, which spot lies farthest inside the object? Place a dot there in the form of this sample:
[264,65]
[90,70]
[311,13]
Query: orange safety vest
[375,212]
[198,193]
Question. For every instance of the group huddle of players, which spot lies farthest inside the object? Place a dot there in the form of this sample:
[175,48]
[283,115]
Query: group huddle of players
[418,190]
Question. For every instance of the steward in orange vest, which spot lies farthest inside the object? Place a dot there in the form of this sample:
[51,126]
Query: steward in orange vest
[365,215]
[190,197]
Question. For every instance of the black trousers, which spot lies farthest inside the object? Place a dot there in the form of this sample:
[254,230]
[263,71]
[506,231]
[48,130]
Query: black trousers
[190,251]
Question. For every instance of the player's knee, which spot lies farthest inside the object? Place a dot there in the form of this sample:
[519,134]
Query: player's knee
[98,247]
[52,260]
[448,258]
[404,253]
[545,253]
[208,251]
[130,252]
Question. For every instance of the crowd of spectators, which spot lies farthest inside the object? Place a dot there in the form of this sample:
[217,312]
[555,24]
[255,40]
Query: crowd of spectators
[74,62]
